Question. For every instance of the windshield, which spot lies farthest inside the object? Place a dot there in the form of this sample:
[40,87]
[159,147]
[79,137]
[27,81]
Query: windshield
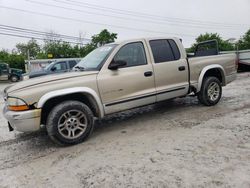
[95,59]
[49,66]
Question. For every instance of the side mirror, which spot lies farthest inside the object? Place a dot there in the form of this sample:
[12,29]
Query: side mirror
[53,69]
[114,65]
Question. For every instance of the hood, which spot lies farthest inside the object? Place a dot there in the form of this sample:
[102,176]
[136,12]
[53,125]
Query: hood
[47,79]
[16,70]
[38,73]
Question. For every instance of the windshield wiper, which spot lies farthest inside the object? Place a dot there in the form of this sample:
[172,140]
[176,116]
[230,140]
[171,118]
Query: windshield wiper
[79,68]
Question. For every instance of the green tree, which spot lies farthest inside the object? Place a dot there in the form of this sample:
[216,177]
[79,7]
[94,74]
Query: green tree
[14,60]
[103,38]
[223,44]
[60,49]
[55,46]
[244,42]
[86,49]
[4,56]
[32,47]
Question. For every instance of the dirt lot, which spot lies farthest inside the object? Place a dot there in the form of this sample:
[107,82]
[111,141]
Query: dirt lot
[177,144]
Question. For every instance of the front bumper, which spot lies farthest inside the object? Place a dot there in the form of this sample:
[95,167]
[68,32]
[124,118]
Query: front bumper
[25,77]
[26,121]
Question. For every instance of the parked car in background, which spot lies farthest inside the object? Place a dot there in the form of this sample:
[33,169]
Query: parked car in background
[53,68]
[7,73]
[113,78]
[244,59]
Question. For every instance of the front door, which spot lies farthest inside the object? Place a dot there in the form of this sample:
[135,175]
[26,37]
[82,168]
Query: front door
[129,86]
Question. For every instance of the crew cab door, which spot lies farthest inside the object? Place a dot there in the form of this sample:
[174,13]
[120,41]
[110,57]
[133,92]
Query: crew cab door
[131,85]
[170,68]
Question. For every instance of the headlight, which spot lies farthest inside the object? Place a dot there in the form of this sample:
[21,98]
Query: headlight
[25,77]
[15,104]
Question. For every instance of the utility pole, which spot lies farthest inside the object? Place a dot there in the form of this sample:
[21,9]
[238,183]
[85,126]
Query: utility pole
[29,66]
[80,39]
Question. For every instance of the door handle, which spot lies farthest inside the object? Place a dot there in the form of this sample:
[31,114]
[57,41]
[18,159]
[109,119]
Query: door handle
[182,68]
[148,74]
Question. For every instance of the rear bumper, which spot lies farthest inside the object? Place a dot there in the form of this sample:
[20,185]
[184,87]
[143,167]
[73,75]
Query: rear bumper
[231,78]
[27,121]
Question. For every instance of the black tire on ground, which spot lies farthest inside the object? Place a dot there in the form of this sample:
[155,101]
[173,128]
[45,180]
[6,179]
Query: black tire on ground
[210,97]
[14,78]
[64,119]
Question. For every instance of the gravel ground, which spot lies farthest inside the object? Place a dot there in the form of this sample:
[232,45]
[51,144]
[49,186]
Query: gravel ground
[172,144]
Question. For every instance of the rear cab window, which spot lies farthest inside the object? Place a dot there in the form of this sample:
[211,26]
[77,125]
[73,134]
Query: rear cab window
[164,50]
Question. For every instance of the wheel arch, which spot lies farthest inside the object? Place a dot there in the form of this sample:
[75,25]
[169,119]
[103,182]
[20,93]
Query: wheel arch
[82,94]
[212,70]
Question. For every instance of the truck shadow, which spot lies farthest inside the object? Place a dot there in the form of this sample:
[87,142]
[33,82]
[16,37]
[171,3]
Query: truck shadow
[115,121]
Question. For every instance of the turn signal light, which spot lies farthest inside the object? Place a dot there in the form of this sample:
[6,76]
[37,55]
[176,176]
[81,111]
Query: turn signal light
[18,108]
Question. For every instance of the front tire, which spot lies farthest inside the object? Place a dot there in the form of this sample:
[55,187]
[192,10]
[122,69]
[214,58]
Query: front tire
[70,122]
[211,91]
[14,78]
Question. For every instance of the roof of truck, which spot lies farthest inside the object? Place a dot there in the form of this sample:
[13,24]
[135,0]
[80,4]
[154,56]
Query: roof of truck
[146,38]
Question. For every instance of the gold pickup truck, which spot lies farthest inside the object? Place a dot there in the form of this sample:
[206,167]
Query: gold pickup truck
[113,78]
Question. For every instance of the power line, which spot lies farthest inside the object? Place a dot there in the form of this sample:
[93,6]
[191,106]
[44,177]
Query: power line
[135,19]
[41,36]
[35,32]
[140,14]
[33,37]
[89,22]
[16,35]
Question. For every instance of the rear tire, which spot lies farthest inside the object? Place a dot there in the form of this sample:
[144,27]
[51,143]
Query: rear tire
[211,91]
[70,122]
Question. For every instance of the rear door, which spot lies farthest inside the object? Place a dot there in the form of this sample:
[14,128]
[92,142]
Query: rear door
[171,69]
[130,86]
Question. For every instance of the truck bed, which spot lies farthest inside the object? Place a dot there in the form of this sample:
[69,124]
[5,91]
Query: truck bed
[197,64]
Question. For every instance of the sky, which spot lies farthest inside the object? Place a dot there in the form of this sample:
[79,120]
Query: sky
[185,19]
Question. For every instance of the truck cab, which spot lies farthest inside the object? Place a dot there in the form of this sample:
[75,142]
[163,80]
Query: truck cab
[7,73]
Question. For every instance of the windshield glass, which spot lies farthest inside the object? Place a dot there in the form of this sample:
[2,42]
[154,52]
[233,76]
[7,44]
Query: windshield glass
[95,59]
[48,67]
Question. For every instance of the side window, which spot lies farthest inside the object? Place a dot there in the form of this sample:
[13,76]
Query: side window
[3,66]
[133,54]
[72,64]
[60,66]
[176,51]
[162,51]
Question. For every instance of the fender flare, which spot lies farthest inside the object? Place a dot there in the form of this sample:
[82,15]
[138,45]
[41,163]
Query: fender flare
[61,92]
[207,68]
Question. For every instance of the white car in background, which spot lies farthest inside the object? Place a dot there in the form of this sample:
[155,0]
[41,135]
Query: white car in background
[244,59]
